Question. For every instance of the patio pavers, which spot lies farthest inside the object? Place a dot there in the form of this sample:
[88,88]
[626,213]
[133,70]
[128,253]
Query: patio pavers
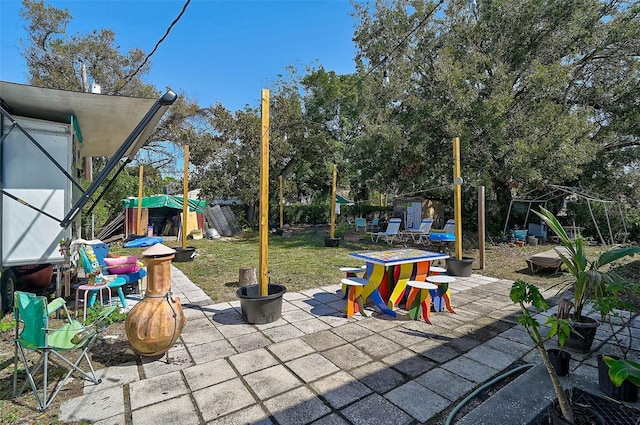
[314,365]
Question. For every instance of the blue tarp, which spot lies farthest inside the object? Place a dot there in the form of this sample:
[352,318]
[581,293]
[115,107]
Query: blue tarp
[140,242]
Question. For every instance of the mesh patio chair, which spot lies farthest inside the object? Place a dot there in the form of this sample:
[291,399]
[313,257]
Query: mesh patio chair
[389,235]
[34,334]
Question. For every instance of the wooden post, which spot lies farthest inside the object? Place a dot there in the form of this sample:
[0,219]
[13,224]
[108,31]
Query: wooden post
[281,204]
[333,202]
[185,199]
[457,196]
[263,255]
[481,226]
[140,173]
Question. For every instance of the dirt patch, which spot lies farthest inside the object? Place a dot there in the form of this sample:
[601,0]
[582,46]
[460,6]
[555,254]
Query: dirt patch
[112,348]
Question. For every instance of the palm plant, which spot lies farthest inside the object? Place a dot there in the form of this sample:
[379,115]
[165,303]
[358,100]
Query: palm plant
[590,280]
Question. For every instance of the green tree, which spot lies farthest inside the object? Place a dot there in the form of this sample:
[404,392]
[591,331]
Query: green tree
[58,60]
[535,90]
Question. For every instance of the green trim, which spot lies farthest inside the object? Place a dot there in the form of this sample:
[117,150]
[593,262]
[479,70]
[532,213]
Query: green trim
[76,127]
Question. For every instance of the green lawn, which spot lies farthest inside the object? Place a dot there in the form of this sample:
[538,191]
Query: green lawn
[299,262]
[303,262]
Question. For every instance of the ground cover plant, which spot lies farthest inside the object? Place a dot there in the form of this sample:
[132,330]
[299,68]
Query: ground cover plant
[299,262]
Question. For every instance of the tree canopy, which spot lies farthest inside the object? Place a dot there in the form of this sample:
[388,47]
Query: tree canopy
[538,92]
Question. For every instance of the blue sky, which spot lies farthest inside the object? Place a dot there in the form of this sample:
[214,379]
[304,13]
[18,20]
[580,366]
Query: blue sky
[220,51]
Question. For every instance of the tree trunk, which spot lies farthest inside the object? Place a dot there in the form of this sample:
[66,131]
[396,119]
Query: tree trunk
[247,276]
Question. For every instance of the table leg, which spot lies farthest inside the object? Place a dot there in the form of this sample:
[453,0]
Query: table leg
[404,274]
[377,276]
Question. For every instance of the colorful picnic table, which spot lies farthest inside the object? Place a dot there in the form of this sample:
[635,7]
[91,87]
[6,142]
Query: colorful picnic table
[388,272]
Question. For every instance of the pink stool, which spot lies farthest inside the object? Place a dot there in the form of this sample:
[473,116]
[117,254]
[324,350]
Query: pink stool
[87,289]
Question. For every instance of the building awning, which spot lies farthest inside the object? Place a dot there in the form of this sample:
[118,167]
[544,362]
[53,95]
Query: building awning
[104,121]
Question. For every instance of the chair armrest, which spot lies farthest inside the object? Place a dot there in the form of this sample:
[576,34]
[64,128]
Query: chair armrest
[55,305]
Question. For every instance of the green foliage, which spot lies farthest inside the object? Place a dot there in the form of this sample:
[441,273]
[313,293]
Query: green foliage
[621,370]
[365,210]
[525,294]
[318,213]
[515,81]
[97,311]
[590,282]
[343,228]
[7,323]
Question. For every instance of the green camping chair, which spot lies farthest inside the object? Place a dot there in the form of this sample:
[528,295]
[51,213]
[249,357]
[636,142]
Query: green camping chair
[33,333]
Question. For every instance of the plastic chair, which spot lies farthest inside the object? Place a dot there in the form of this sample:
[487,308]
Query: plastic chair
[361,223]
[33,333]
[90,265]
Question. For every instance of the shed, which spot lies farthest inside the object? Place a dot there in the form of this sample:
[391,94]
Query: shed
[162,212]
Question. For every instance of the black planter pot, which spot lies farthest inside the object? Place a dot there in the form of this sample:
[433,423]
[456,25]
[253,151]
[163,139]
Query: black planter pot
[258,310]
[626,392]
[331,242]
[560,360]
[462,267]
[184,254]
[582,334]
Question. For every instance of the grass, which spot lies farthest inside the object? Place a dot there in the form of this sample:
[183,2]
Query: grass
[303,262]
[300,262]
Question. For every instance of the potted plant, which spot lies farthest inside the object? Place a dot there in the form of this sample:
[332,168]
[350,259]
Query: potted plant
[619,378]
[589,281]
[525,294]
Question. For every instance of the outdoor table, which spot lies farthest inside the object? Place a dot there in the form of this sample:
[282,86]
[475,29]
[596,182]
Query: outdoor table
[388,272]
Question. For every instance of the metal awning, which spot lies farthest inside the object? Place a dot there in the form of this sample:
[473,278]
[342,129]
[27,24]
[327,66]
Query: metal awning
[112,126]
[104,121]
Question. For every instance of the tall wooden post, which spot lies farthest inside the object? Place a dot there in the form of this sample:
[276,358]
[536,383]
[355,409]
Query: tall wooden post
[481,226]
[140,173]
[185,199]
[457,196]
[263,255]
[332,232]
[281,204]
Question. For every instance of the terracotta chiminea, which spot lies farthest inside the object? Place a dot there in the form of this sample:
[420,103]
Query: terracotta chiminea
[155,323]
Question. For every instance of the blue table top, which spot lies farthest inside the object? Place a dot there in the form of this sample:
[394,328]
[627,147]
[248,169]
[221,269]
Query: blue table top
[394,257]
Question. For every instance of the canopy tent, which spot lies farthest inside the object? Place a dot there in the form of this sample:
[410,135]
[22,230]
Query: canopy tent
[342,200]
[553,192]
[162,213]
[159,201]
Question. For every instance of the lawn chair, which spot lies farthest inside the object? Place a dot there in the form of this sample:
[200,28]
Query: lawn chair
[393,230]
[361,223]
[33,333]
[373,224]
[422,232]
